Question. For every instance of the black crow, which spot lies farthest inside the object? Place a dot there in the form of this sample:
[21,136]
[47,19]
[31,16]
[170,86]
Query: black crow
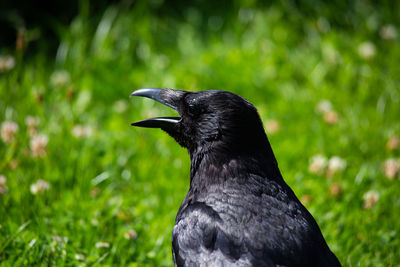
[239,211]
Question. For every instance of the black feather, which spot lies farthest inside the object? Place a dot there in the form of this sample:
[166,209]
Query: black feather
[238,211]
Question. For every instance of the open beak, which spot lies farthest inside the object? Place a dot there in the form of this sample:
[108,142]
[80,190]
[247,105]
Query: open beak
[167,97]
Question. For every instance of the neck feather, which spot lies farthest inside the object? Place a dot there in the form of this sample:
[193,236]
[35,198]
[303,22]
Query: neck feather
[210,166]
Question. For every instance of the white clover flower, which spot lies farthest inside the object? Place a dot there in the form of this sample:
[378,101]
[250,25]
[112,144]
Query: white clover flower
[331,117]
[102,245]
[3,190]
[367,50]
[80,131]
[391,168]
[3,187]
[59,241]
[318,164]
[324,106]
[79,257]
[370,199]
[336,164]
[39,187]
[272,126]
[388,32]
[38,145]
[3,180]
[60,78]
[131,234]
[393,143]
[6,63]
[32,123]
[8,129]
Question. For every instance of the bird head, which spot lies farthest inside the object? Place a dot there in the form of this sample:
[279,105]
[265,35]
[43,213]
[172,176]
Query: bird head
[210,119]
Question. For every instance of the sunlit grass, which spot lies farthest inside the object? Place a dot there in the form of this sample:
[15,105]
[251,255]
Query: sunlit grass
[79,185]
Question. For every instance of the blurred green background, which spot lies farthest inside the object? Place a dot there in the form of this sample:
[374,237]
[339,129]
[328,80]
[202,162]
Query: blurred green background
[79,186]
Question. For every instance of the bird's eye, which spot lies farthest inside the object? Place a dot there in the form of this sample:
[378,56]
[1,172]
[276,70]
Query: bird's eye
[191,110]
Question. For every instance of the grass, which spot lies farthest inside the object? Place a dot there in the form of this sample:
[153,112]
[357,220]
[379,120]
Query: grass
[107,178]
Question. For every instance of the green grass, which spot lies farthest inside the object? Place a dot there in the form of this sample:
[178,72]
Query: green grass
[121,178]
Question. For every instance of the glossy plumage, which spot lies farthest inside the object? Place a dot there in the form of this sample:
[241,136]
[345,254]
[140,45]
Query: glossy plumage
[238,211]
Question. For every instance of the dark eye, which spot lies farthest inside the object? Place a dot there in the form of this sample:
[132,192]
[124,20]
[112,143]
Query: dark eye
[191,110]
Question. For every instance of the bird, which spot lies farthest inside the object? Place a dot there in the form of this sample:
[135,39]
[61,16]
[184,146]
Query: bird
[238,210]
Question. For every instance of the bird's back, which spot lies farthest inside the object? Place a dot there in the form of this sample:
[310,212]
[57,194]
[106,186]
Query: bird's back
[251,222]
